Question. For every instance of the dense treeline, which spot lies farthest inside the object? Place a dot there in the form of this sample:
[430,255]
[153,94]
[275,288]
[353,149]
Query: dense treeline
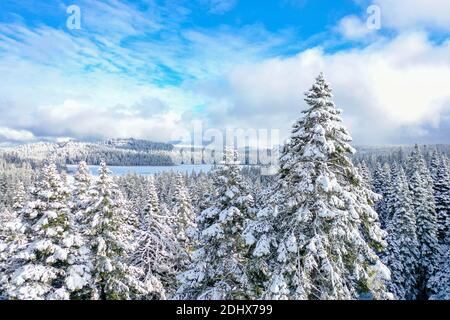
[137,144]
[126,152]
[329,225]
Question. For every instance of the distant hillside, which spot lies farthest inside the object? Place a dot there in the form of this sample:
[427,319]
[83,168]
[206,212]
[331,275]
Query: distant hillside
[136,152]
[137,144]
[123,152]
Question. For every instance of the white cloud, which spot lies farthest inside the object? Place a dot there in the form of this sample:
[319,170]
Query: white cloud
[74,119]
[53,72]
[52,103]
[388,91]
[383,88]
[353,28]
[415,13]
[87,84]
[118,19]
[15,135]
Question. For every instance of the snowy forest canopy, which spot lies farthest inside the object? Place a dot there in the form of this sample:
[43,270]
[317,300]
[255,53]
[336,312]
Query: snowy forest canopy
[331,224]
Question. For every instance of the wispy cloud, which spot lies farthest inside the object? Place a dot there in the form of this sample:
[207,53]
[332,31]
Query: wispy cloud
[415,14]
[219,6]
[354,28]
[401,82]
[144,69]
[14,135]
[115,66]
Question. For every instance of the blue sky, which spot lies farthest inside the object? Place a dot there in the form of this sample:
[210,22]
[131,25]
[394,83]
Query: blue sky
[146,69]
[290,25]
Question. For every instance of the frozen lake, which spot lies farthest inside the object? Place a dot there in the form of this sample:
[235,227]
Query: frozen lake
[146,170]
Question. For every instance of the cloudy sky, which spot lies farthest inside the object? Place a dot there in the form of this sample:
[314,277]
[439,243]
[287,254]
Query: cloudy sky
[146,69]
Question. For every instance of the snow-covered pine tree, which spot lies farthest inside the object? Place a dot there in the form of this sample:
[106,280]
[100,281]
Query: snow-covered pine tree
[378,178]
[416,163]
[218,269]
[20,197]
[111,240]
[157,248]
[82,184]
[365,174]
[12,236]
[133,188]
[381,185]
[3,189]
[81,261]
[446,164]
[151,204]
[203,192]
[184,220]
[402,256]
[182,208]
[434,163]
[394,171]
[260,236]
[441,185]
[440,282]
[42,267]
[421,186]
[326,214]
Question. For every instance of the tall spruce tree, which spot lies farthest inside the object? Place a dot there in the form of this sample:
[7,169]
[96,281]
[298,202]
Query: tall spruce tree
[157,248]
[82,184]
[394,171]
[151,205]
[440,171]
[12,237]
[326,213]
[80,282]
[111,240]
[218,269]
[182,209]
[441,185]
[440,282]
[421,186]
[402,256]
[260,237]
[381,185]
[365,174]
[20,197]
[183,217]
[43,267]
